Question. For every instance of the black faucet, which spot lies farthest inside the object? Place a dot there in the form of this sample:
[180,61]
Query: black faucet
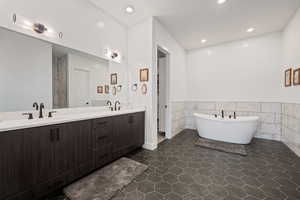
[110,105]
[36,105]
[41,110]
[222,113]
[50,114]
[117,102]
[234,115]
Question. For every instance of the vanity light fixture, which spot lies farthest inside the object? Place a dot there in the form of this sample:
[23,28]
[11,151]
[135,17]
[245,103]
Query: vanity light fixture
[129,9]
[203,40]
[35,26]
[221,1]
[250,30]
[112,55]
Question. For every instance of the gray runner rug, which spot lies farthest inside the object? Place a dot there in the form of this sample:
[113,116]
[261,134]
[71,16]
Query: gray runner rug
[106,182]
[222,146]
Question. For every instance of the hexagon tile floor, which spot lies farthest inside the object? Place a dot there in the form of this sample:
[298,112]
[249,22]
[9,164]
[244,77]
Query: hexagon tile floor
[179,170]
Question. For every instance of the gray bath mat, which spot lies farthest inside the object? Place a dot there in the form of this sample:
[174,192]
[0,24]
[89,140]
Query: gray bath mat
[222,146]
[106,182]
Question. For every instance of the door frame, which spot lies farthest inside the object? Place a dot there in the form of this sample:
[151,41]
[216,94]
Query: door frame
[168,125]
[89,79]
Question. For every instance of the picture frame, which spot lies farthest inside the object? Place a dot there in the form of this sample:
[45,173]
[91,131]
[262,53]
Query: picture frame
[288,77]
[106,89]
[144,89]
[144,75]
[114,90]
[296,76]
[100,89]
[114,79]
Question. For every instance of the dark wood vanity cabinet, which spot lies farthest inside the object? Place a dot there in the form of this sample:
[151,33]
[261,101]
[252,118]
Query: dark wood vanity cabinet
[36,161]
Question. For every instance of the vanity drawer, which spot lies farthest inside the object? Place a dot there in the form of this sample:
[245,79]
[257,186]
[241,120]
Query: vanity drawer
[102,132]
[103,124]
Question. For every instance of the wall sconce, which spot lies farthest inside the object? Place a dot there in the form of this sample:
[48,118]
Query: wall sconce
[35,26]
[112,55]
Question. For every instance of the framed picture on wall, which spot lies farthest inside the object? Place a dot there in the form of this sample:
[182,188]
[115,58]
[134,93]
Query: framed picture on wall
[296,76]
[106,89]
[144,75]
[288,78]
[100,89]
[114,79]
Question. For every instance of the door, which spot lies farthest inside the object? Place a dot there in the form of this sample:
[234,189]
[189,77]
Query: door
[161,93]
[81,88]
[15,171]
[138,129]
[53,152]
[82,147]
[42,140]
[122,138]
[64,147]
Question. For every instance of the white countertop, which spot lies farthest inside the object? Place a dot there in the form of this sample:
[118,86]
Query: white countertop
[59,119]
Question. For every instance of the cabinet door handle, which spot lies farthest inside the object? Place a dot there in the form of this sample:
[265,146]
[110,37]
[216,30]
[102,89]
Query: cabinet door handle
[57,134]
[51,135]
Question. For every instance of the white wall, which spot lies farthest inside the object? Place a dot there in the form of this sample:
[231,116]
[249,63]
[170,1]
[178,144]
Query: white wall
[291,95]
[245,70]
[99,76]
[140,52]
[291,52]
[176,72]
[177,61]
[77,19]
[25,72]
[143,40]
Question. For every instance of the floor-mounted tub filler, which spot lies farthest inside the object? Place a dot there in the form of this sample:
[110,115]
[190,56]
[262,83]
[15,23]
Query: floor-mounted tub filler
[239,131]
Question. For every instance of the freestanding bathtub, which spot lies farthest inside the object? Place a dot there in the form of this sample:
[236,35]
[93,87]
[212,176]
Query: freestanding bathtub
[239,131]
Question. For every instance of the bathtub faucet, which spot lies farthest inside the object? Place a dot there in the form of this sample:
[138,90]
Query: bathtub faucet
[222,113]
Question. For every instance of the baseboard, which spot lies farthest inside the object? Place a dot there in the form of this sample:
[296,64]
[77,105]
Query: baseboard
[150,146]
[293,148]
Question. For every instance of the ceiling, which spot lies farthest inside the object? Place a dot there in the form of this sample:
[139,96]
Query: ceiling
[190,21]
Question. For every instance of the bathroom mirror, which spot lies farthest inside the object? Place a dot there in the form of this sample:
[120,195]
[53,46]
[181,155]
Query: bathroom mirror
[32,70]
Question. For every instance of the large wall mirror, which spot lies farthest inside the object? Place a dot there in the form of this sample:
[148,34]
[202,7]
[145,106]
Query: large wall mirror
[32,70]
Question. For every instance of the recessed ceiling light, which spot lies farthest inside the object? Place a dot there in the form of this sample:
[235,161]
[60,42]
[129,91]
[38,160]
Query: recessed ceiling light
[203,40]
[221,1]
[249,30]
[100,24]
[129,9]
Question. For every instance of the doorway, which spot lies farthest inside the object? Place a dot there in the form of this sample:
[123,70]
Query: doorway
[162,94]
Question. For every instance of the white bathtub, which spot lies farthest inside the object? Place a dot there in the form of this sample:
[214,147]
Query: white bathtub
[238,131]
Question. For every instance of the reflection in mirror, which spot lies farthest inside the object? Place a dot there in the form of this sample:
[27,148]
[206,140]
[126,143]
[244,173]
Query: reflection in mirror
[32,70]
